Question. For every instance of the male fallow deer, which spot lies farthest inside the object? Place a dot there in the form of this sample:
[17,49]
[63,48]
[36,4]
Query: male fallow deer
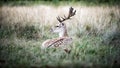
[63,40]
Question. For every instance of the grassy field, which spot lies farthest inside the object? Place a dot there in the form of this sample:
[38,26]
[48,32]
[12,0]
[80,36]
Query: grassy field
[95,31]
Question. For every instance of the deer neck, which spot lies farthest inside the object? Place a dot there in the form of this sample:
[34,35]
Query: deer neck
[63,33]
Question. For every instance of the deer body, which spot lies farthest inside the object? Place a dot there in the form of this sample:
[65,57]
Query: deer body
[63,40]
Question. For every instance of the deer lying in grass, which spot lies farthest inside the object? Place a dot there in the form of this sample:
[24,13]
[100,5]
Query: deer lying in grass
[63,40]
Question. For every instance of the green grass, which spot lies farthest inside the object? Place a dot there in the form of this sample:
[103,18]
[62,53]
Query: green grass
[87,51]
[95,36]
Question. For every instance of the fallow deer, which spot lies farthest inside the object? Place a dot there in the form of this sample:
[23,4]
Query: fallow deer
[63,40]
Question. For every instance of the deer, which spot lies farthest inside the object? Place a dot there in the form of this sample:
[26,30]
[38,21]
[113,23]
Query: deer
[63,40]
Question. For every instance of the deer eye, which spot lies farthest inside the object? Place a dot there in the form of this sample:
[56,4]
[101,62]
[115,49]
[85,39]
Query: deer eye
[56,26]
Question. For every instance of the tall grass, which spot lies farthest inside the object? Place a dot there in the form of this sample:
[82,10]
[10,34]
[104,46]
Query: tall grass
[95,33]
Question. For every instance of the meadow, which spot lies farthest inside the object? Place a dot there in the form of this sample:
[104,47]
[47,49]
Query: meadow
[95,31]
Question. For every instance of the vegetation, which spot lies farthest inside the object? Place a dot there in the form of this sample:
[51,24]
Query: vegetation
[95,31]
[59,2]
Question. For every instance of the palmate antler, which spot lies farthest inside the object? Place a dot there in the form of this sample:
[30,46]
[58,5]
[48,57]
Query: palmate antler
[71,13]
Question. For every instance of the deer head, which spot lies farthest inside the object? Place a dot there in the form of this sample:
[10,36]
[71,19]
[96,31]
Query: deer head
[61,27]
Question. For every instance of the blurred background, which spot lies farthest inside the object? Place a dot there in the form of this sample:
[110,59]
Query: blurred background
[95,30]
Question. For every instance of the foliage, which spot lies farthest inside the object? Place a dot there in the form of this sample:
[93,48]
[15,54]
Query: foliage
[28,32]
[58,2]
[23,31]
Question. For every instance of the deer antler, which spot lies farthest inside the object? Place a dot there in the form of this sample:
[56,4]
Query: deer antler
[71,13]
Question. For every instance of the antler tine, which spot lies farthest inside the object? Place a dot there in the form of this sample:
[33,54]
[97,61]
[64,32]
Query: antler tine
[64,16]
[71,13]
[58,18]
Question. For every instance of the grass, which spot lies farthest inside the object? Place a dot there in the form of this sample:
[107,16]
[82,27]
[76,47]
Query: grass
[95,33]
[58,3]
[85,52]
